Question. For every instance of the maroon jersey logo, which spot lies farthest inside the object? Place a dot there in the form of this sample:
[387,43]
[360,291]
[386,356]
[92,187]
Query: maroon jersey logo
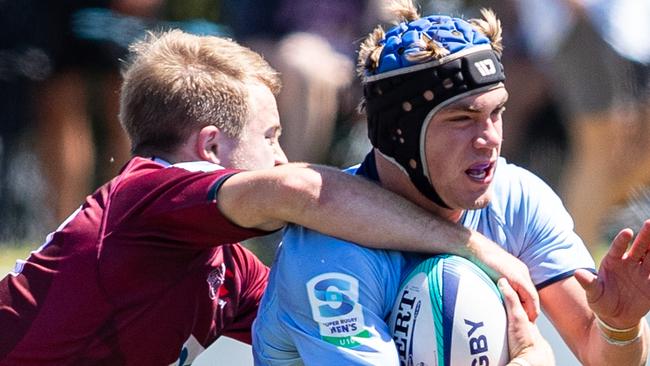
[215,280]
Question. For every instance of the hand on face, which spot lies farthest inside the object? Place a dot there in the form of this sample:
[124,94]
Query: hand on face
[620,294]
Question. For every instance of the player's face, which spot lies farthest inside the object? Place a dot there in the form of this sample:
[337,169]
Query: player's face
[258,147]
[463,141]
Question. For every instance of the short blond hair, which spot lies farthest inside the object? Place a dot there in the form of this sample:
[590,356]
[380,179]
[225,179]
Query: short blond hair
[176,82]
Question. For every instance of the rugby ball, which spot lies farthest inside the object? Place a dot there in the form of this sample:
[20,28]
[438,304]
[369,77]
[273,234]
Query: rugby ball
[449,312]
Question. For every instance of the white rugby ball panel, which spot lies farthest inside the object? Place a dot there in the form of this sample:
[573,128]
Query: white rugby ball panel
[449,312]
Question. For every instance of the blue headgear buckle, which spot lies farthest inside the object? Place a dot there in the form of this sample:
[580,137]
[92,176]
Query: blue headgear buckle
[401,96]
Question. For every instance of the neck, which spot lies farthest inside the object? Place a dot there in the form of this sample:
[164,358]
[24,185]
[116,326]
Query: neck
[180,155]
[170,158]
[182,152]
[397,181]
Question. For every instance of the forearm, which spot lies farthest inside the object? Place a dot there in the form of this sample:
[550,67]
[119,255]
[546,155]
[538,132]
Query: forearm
[338,204]
[356,210]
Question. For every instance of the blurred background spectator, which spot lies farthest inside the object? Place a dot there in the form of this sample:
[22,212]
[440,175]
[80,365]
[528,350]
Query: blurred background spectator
[23,64]
[59,69]
[78,101]
[312,44]
[596,57]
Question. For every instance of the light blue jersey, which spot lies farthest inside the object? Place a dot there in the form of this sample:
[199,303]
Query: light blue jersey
[327,300]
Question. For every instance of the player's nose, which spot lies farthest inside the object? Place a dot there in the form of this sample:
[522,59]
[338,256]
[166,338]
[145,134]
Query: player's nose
[279,156]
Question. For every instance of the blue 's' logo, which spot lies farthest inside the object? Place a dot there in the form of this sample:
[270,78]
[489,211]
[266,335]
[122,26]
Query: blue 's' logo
[333,291]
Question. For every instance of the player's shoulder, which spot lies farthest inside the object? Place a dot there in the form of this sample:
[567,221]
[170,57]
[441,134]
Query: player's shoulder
[301,236]
[139,166]
[514,183]
[142,172]
[510,174]
[300,239]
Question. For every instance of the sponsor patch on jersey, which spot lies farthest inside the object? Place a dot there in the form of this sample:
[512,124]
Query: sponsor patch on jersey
[215,280]
[334,300]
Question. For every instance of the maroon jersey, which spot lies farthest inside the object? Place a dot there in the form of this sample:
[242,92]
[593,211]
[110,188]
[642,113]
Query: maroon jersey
[148,264]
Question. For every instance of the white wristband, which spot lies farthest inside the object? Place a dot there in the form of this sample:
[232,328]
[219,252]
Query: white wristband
[617,330]
[619,337]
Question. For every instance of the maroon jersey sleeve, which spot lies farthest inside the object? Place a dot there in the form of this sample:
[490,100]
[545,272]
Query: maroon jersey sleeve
[175,206]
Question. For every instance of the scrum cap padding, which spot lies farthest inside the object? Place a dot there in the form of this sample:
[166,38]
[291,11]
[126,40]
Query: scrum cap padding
[399,102]
[405,39]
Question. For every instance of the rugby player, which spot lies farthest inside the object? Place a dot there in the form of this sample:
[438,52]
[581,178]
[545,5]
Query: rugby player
[434,97]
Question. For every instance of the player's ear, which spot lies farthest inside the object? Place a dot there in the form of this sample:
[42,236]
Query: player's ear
[207,144]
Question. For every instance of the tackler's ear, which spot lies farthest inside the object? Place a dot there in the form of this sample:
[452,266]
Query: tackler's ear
[207,144]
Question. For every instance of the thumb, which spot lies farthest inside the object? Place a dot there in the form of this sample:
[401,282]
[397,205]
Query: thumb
[589,283]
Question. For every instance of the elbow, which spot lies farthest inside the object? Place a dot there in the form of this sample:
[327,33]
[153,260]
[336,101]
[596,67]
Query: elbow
[300,192]
[307,184]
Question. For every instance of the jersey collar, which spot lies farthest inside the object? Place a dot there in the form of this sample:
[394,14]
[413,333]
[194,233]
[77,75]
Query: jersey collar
[368,168]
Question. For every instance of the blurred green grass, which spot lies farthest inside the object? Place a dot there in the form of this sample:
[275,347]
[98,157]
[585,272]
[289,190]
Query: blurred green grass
[10,252]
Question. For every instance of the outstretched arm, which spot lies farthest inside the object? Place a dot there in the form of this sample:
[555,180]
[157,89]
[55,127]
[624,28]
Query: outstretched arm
[619,296]
[606,324]
[351,208]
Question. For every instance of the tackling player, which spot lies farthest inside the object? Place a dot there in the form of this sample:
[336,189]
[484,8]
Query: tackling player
[434,97]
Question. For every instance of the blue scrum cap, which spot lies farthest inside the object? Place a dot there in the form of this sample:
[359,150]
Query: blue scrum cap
[415,69]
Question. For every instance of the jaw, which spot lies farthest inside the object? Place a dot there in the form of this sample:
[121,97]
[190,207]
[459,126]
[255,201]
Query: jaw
[467,194]
[473,195]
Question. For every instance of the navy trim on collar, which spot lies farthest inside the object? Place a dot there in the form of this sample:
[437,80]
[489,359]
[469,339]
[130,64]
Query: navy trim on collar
[368,168]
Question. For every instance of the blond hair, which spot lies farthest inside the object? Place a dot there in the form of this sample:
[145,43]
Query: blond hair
[175,83]
[405,11]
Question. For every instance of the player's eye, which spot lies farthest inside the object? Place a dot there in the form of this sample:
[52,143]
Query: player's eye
[459,118]
[271,140]
[499,110]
